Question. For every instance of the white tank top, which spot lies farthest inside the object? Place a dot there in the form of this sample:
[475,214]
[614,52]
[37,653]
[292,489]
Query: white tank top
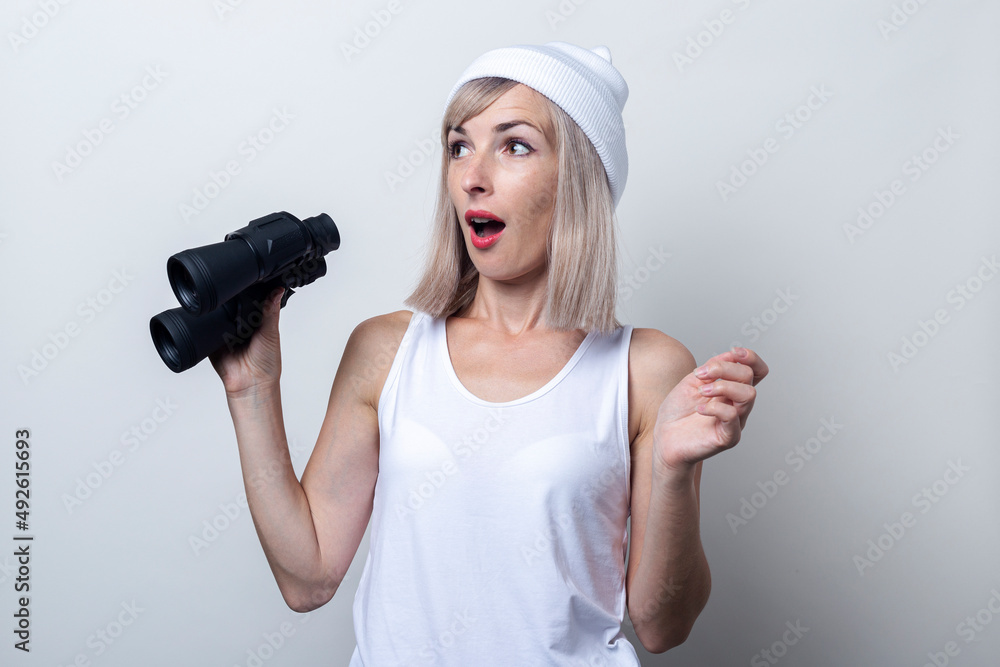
[498,531]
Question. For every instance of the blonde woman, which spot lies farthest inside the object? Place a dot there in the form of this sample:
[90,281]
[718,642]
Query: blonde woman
[500,434]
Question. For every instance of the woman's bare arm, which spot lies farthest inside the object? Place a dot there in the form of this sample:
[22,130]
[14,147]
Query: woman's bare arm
[310,530]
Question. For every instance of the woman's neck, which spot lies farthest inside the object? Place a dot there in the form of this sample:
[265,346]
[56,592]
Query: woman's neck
[511,307]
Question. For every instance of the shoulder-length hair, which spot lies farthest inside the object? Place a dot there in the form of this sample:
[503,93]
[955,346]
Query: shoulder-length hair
[582,245]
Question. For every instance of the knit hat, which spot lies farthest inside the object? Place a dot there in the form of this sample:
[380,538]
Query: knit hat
[583,82]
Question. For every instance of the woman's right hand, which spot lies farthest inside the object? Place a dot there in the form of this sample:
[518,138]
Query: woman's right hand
[256,364]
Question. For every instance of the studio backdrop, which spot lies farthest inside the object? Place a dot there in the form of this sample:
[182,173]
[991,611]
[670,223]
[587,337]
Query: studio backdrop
[816,181]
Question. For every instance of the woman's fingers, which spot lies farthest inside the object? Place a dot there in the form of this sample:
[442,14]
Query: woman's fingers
[739,364]
[736,392]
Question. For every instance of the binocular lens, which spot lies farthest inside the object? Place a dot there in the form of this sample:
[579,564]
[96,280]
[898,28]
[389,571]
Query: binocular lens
[165,345]
[184,287]
[205,278]
[183,339]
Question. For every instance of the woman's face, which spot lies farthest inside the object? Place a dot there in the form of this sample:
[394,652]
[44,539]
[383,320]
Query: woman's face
[502,176]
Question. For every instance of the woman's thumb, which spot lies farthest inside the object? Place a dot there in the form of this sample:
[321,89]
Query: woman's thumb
[272,307]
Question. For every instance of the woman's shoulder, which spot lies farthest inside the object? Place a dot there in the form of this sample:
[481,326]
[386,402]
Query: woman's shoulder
[657,361]
[651,348]
[371,349]
[375,335]
[387,323]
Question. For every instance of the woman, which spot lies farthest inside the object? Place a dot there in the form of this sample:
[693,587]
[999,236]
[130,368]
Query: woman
[500,435]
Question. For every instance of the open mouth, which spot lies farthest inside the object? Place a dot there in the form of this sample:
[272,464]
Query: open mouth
[485,227]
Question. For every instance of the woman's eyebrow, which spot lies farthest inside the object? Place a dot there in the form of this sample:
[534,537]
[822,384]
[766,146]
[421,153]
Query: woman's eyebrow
[501,127]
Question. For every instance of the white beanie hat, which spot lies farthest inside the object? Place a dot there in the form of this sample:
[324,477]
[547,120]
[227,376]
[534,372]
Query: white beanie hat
[583,82]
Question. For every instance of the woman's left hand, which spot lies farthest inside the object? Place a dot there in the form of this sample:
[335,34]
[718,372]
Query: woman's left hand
[705,413]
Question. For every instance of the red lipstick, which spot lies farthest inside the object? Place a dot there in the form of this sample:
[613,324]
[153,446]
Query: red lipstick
[485,223]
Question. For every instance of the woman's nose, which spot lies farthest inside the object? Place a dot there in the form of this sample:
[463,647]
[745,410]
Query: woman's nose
[478,176]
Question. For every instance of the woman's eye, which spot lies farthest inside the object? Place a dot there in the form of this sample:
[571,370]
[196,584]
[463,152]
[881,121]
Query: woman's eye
[456,149]
[519,148]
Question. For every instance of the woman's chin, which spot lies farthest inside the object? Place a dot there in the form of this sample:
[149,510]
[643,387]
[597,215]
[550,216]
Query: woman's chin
[499,272]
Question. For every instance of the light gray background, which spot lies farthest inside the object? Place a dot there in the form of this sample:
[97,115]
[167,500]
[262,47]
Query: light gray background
[357,118]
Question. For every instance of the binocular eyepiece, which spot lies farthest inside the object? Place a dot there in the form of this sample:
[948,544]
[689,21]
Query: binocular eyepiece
[222,286]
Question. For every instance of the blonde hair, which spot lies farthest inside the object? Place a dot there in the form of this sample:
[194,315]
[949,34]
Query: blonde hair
[582,245]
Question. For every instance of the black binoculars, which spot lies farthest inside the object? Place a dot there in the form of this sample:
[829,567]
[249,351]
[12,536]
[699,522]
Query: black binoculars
[222,286]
